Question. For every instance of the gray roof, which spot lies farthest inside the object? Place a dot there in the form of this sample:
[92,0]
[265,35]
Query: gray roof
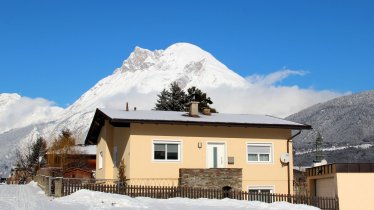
[172,116]
[122,118]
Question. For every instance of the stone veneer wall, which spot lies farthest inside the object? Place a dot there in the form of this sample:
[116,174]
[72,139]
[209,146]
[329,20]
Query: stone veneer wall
[211,178]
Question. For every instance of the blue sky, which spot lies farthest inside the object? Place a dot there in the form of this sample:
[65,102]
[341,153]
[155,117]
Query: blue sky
[59,49]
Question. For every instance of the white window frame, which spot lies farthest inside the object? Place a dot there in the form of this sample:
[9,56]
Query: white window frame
[260,187]
[271,156]
[177,142]
[101,160]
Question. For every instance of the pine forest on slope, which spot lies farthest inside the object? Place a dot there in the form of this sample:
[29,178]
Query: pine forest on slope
[346,125]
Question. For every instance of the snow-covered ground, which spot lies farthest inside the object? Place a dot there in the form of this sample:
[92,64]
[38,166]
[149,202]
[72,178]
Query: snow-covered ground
[30,196]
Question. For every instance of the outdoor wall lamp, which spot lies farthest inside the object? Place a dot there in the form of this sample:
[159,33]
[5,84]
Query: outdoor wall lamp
[199,145]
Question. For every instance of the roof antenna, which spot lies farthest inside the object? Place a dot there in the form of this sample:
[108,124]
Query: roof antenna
[127,106]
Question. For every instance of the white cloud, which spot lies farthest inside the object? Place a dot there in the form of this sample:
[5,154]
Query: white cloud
[263,96]
[273,78]
[24,111]
[142,101]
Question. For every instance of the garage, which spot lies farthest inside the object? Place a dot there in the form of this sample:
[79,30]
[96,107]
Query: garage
[325,187]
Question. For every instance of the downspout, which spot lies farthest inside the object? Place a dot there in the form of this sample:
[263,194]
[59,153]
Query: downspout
[288,165]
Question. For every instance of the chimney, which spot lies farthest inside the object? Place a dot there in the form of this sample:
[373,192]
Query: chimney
[127,106]
[206,111]
[194,109]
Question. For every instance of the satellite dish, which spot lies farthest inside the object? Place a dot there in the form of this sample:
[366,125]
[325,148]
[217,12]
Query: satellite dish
[285,158]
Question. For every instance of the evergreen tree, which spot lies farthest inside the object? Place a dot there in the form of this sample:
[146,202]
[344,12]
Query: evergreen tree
[162,100]
[121,173]
[27,159]
[173,99]
[195,94]
[38,150]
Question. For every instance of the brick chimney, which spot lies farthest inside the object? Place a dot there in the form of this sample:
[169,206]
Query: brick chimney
[194,109]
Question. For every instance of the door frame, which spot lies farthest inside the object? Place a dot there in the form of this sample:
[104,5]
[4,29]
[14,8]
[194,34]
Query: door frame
[224,152]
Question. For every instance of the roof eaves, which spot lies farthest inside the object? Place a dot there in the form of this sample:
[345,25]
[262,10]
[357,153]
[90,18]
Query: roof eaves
[95,127]
[205,123]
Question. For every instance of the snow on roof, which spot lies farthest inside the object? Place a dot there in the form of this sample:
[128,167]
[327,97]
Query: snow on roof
[214,118]
[84,149]
[124,118]
[87,149]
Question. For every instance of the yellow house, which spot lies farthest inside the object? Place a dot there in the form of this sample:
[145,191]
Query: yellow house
[246,152]
[352,183]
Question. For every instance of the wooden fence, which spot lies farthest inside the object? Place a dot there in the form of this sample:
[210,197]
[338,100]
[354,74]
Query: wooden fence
[165,192]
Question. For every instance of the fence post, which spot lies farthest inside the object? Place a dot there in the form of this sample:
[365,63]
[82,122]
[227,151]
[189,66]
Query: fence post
[58,187]
[49,186]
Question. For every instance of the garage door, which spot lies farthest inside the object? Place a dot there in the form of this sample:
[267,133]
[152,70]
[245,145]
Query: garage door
[325,187]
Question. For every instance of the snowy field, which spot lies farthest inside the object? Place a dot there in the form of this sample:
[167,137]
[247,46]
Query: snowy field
[30,196]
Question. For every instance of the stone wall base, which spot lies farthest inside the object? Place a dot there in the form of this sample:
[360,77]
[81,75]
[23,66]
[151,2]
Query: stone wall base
[215,178]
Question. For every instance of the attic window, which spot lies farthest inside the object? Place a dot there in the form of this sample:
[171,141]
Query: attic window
[166,150]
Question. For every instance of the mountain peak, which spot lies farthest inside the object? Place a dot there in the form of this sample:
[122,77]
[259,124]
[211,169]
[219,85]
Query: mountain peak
[185,47]
[140,59]
[8,98]
[186,53]
[178,57]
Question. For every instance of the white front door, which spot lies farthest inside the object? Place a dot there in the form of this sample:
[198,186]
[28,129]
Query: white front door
[216,155]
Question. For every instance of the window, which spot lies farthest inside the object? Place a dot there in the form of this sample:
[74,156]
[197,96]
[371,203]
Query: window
[261,153]
[100,160]
[115,154]
[261,193]
[166,150]
[259,190]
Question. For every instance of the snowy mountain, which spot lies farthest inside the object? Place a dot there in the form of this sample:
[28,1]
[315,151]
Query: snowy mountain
[142,76]
[150,71]
[10,141]
[14,107]
[346,125]
[7,99]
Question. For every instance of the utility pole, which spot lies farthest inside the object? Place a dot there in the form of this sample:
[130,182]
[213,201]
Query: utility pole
[318,150]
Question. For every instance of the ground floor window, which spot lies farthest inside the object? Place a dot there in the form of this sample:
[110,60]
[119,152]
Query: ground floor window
[166,150]
[260,193]
[261,189]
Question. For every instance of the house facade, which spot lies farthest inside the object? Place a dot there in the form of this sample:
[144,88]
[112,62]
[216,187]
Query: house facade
[352,183]
[157,147]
